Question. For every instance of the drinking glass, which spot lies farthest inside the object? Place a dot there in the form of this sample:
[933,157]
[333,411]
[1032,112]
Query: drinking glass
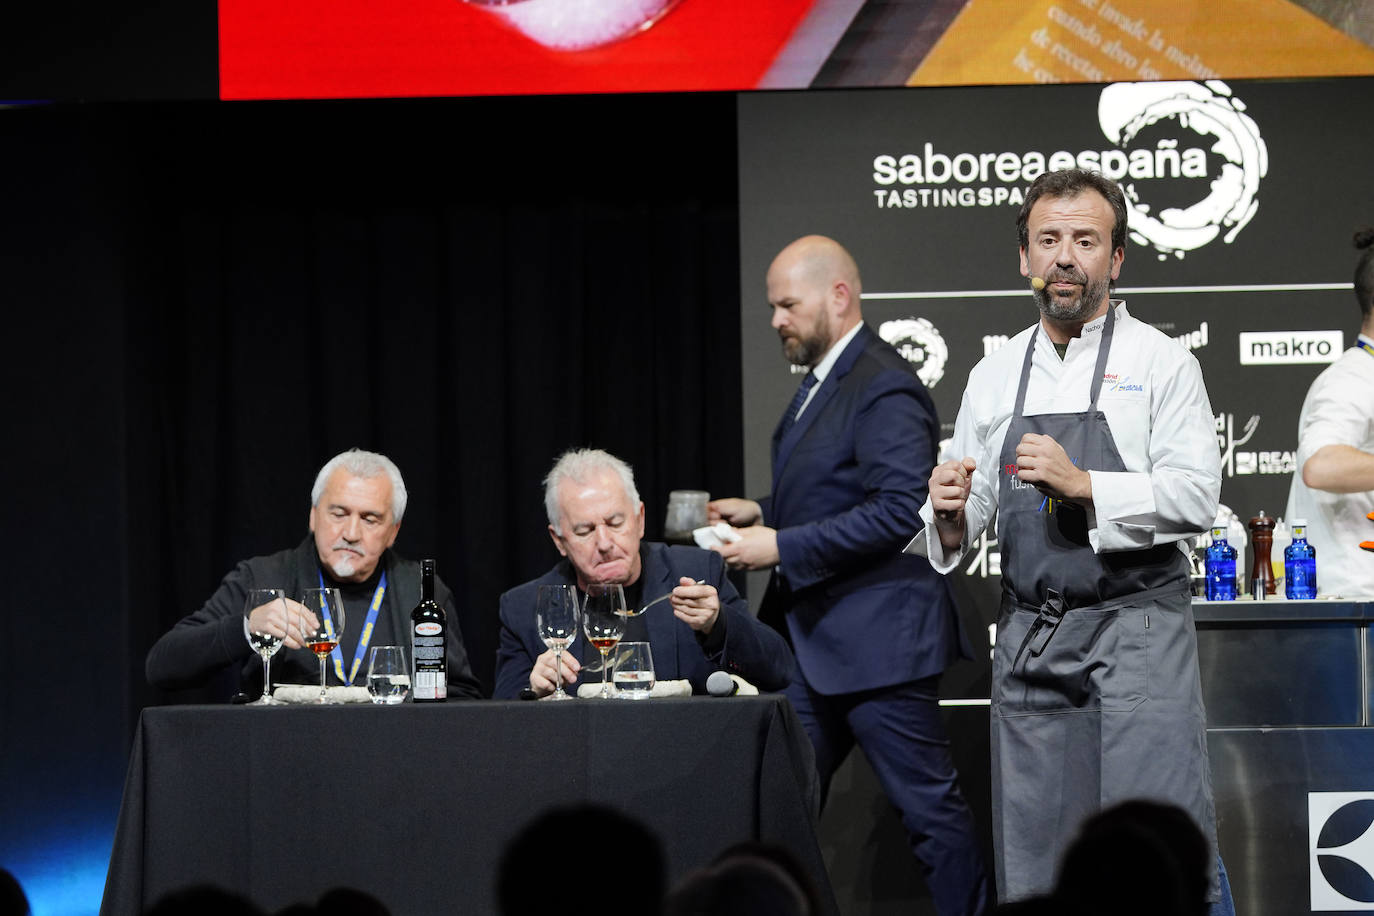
[634,670]
[603,620]
[264,627]
[686,513]
[328,607]
[388,675]
[557,616]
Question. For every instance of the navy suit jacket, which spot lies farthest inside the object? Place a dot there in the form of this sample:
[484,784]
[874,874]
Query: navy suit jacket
[751,650]
[848,481]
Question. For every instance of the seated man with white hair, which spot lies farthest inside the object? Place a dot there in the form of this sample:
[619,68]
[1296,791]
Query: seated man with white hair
[356,507]
[596,521]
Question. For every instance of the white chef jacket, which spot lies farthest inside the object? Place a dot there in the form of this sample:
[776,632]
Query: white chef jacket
[1338,410]
[1156,407]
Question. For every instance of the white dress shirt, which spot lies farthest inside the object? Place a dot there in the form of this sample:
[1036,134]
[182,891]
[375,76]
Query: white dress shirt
[822,368]
[1156,407]
[1338,410]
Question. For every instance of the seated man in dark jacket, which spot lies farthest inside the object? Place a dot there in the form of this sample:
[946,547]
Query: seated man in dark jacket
[356,508]
[596,521]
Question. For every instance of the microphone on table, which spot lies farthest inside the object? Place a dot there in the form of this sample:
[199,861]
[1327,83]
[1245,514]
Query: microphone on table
[720,684]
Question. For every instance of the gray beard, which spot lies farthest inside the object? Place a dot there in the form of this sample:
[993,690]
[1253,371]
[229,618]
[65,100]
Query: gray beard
[343,568]
[1079,309]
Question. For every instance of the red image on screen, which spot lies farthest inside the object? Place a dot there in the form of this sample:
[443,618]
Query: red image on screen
[280,49]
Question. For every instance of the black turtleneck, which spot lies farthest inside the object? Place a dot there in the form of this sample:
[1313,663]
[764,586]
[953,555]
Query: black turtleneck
[357,599]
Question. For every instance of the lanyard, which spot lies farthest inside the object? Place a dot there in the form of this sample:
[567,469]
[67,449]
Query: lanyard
[1365,345]
[363,639]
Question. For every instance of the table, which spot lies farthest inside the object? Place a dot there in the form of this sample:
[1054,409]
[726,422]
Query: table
[1288,691]
[421,800]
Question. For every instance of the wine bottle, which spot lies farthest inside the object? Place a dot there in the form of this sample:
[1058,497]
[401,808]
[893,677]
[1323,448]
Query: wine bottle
[428,643]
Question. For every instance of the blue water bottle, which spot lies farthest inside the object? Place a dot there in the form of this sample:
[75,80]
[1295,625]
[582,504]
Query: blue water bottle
[1221,567]
[1300,564]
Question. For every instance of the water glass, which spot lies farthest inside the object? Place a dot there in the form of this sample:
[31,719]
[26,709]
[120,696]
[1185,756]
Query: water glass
[388,675]
[634,670]
[686,513]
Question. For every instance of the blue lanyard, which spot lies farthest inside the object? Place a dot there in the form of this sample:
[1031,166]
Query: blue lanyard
[1365,345]
[363,639]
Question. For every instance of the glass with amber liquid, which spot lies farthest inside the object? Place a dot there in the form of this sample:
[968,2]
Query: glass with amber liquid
[328,607]
[603,620]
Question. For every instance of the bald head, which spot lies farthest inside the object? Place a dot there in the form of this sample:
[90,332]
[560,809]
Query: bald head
[822,261]
[814,289]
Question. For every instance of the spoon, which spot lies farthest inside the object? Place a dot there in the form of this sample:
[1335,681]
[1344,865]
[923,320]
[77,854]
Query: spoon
[596,666]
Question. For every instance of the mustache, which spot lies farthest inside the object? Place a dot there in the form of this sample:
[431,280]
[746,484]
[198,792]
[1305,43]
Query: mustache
[1066,275]
[341,544]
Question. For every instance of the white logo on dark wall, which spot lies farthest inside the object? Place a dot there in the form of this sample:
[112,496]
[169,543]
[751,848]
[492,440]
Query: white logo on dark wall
[920,344]
[1209,112]
[1262,348]
[1202,117]
[1340,838]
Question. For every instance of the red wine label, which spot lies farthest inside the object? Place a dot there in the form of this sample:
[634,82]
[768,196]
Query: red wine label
[428,629]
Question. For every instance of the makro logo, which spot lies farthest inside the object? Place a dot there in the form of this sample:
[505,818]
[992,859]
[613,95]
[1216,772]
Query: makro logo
[1341,850]
[920,344]
[1259,348]
[1205,113]
[1188,120]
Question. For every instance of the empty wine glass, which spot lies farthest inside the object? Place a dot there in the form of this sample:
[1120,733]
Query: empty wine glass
[264,626]
[388,675]
[603,620]
[557,615]
[328,607]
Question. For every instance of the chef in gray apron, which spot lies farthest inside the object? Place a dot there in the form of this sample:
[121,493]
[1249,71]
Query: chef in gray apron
[1096,696]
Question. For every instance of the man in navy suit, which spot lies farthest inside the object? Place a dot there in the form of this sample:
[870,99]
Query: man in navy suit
[596,521]
[871,629]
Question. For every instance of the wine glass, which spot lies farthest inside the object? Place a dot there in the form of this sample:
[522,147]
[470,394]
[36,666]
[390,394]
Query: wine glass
[603,620]
[264,625]
[328,607]
[557,615]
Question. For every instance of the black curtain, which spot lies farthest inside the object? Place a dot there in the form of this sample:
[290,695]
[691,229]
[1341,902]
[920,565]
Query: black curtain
[469,286]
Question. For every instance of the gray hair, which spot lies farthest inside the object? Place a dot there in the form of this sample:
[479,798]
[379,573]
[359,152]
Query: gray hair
[580,464]
[364,464]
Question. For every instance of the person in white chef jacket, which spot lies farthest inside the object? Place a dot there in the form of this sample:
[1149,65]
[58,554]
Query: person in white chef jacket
[1089,437]
[1333,489]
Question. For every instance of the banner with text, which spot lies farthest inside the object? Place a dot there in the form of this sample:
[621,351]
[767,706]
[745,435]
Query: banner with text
[1243,199]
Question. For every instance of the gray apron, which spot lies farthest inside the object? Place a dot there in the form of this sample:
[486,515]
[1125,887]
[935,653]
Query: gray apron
[1096,695]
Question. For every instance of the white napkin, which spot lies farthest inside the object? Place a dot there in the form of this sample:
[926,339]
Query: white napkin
[661,689]
[303,694]
[715,535]
[746,689]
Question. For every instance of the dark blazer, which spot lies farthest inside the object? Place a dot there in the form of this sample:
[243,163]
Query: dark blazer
[212,639]
[751,650]
[848,481]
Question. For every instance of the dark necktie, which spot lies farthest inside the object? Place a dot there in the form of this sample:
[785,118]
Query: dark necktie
[798,399]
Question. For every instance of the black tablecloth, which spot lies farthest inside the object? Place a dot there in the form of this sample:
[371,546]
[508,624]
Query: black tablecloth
[414,804]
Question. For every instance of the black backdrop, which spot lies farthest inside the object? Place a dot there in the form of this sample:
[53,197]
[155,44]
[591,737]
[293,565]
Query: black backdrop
[205,301]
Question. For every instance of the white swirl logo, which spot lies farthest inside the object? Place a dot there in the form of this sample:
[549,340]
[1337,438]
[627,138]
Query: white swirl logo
[920,344]
[1210,111]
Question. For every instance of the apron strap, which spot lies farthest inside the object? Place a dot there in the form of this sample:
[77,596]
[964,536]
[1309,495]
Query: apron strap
[1043,627]
[1025,374]
[1102,349]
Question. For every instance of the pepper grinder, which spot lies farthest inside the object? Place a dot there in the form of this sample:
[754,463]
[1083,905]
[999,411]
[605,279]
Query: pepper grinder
[1262,540]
